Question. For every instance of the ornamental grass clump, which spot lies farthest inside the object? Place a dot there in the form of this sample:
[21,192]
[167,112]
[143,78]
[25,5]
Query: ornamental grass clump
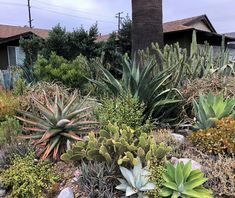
[58,124]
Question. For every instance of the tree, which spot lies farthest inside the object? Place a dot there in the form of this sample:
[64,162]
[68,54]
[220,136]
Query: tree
[124,37]
[146,24]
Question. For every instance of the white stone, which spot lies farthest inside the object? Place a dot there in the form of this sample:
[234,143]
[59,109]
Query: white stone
[178,137]
[195,165]
[66,193]
[2,192]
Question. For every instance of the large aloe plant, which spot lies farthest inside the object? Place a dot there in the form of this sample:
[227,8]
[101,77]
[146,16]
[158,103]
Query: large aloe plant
[182,181]
[153,91]
[59,122]
[210,108]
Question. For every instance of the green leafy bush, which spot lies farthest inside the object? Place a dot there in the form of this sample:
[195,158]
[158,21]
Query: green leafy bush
[123,109]
[19,87]
[97,179]
[211,108]
[58,123]
[71,73]
[8,104]
[27,178]
[216,140]
[118,144]
[136,181]
[182,181]
[9,129]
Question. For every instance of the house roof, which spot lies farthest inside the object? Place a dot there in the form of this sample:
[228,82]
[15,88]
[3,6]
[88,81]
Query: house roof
[187,23]
[8,31]
[178,25]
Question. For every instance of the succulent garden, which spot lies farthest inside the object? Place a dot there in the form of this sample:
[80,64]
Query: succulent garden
[107,126]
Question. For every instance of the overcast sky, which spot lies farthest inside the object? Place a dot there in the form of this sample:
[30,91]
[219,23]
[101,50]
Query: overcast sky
[74,13]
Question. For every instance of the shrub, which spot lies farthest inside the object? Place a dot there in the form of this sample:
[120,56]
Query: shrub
[98,179]
[118,144]
[59,123]
[8,105]
[123,109]
[71,73]
[9,129]
[182,181]
[216,140]
[27,178]
[19,87]
[211,108]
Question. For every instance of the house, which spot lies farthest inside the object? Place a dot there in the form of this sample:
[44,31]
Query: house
[181,31]
[10,52]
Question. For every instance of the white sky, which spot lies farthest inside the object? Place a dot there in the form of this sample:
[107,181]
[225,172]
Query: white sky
[74,13]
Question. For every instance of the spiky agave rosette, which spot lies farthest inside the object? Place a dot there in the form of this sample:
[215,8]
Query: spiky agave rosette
[58,124]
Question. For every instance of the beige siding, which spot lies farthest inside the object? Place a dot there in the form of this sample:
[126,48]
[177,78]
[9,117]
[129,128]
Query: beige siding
[201,26]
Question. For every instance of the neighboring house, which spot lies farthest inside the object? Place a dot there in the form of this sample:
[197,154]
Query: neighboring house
[231,45]
[10,52]
[181,31]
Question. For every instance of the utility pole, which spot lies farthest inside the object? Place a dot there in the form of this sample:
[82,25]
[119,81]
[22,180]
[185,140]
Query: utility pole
[118,16]
[29,10]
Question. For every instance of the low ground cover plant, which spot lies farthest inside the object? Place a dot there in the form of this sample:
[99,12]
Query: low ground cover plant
[219,140]
[26,178]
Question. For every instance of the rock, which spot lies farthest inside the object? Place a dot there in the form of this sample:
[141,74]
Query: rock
[66,193]
[74,180]
[195,165]
[178,137]
[2,192]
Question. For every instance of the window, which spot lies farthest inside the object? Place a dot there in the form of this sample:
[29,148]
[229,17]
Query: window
[16,55]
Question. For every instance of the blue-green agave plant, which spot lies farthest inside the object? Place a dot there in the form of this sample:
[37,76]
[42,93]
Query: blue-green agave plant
[211,108]
[136,181]
[182,181]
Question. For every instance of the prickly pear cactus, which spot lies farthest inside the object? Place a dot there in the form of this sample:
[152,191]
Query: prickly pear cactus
[120,144]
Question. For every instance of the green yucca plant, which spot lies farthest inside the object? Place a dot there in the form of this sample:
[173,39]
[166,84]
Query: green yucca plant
[210,108]
[182,181]
[152,90]
[59,123]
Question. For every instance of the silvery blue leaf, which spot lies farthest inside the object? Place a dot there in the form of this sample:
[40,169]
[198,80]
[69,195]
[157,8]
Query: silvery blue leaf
[128,176]
[148,186]
[130,191]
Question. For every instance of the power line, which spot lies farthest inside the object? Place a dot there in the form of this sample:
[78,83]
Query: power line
[75,16]
[15,4]
[72,9]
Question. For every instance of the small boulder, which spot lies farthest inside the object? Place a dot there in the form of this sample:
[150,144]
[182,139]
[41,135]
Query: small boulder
[195,165]
[2,192]
[66,193]
[178,137]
